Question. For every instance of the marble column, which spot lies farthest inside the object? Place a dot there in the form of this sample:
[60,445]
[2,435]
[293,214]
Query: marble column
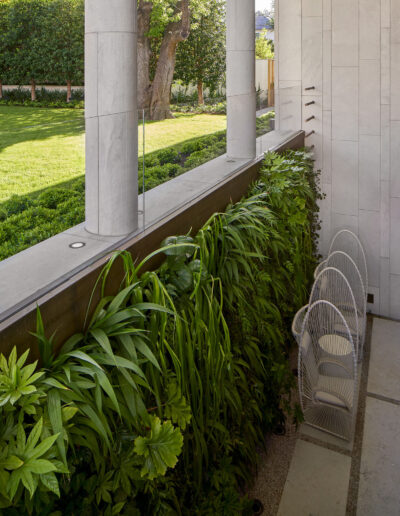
[111,117]
[240,79]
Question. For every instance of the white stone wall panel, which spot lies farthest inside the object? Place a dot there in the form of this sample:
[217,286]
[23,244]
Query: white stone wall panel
[369,233]
[345,103]
[345,177]
[369,172]
[345,33]
[370,97]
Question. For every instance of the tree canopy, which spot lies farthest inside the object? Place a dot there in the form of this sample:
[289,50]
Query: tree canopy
[201,58]
[41,41]
[264,47]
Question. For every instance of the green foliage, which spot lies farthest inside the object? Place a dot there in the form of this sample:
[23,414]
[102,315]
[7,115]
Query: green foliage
[65,23]
[29,219]
[41,41]
[218,108]
[159,449]
[29,46]
[44,99]
[264,47]
[163,400]
[200,60]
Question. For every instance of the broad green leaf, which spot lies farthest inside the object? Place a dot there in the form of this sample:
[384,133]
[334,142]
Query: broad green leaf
[22,359]
[146,351]
[49,480]
[34,437]
[68,413]
[160,448]
[42,447]
[40,466]
[176,407]
[55,383]
[11,463]
[55,416]
[27,480]
[83,356]
[103,340]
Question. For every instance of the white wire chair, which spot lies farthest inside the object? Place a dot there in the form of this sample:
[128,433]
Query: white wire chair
[332,285]
[348,242]
[327,382]
[297,324]
[345,264]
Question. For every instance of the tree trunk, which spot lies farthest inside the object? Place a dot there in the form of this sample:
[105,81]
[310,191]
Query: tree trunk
[33,90]
[1,89]
[175,32]
[69,91]
[143,54]
[200,92]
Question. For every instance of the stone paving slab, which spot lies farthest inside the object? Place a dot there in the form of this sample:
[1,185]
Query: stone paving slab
[379,488]
[384,367]
[326,438]
[317,482]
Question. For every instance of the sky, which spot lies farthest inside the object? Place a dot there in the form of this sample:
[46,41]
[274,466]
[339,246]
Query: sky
[263,4]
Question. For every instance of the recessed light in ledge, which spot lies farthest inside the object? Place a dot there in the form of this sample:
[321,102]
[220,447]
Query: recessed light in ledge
[77,245]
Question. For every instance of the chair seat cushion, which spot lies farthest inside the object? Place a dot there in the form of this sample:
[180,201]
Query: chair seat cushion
[335,344]
[337,392]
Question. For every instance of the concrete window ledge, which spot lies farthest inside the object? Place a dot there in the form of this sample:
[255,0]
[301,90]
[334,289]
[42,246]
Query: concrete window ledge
[60,279]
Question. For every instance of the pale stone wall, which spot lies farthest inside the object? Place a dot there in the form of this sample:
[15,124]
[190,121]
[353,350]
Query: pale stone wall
[350,51]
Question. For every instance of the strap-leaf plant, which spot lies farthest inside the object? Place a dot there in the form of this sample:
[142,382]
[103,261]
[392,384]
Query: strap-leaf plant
[160,404]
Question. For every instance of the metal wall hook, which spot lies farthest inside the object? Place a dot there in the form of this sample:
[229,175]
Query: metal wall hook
[309,88]
[309,103]
[310,133]
[310,118]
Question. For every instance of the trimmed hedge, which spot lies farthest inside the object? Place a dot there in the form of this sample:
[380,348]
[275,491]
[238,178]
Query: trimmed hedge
[44,98]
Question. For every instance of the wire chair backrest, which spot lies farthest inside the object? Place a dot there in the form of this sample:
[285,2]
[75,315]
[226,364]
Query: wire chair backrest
[348,242]
[345,264]
[332,285]
[297,324]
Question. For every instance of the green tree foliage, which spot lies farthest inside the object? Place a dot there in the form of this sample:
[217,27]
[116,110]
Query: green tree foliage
[264,47]
[28,41]
[200,60]
[66,23]
[41,41]
[4,45]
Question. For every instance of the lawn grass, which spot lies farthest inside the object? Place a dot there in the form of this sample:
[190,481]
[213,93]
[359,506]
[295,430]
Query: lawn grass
[44,147]
[33,208]
[160,135]
[39,148]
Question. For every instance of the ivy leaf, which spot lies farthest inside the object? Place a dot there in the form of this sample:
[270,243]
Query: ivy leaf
[160,448]
[177,408]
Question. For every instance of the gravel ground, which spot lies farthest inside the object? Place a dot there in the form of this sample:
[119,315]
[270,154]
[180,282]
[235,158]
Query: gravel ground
[274,463]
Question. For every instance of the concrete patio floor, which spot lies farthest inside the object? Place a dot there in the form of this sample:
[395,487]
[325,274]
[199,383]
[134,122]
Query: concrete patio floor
[330,477]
